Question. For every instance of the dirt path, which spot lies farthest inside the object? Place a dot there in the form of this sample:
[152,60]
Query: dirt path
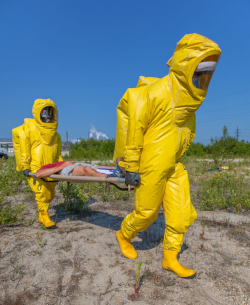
[80,262]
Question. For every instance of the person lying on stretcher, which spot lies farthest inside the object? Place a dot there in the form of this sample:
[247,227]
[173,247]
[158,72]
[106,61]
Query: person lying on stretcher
[68,168]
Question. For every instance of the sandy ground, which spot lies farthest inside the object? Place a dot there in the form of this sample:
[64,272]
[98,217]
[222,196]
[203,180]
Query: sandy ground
[80,262]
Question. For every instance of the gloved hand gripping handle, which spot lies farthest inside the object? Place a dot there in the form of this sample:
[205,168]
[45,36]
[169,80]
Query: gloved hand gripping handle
[26,173]
[132,178]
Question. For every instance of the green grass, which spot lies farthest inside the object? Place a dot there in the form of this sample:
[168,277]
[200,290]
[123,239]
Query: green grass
[11,182]
[224,190]
[12,214]
[10,179]
[210,190]
[219,189]
[81,193]
[77,197]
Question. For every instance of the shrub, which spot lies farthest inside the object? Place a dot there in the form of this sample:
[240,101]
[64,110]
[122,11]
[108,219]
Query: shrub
[224,190]
[77,198]
[10,179]
[80,193]
[10,182]
[92,149]
[10,215]
[220,147]
[196,149]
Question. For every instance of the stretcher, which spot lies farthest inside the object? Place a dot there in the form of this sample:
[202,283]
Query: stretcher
[85,179]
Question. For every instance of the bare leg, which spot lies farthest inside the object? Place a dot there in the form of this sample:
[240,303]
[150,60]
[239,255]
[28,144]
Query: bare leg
[102,166]
[81,170]
[111,167]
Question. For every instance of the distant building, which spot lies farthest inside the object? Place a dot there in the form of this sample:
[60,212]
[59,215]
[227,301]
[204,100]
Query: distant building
[9,143]
[66,145]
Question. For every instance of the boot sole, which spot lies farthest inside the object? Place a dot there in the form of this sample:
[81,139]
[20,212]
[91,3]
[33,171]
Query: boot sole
[51,227]
[189,277]
[183,277]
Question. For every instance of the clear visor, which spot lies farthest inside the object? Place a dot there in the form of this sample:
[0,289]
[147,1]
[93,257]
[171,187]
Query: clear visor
[204,72]
[48,114]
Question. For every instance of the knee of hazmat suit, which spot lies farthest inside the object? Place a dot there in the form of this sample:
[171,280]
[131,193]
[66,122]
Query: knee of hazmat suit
[37,143]
[155,127]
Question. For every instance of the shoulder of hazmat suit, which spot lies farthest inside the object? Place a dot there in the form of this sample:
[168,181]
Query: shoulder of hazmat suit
[37,143]
[155,126]
[127,143]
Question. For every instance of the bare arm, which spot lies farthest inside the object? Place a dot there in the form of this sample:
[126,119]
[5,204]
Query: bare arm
[41,173]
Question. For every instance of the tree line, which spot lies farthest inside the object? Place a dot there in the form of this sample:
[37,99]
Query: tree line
[222,147]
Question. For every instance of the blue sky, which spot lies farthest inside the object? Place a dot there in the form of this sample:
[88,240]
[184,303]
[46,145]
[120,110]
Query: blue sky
[85,54]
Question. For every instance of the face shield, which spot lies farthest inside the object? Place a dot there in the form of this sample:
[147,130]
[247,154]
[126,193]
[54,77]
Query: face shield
[48,114]
[204,72]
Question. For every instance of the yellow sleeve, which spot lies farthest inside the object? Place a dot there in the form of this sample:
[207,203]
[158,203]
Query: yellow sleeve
[59,150]
[25,147]
[137,125]
[16,132]
[121,127]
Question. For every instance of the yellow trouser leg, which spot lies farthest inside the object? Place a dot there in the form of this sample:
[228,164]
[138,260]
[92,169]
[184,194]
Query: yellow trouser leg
[147,202]
[44,194]
[144,214]
[179,215]
[178,210]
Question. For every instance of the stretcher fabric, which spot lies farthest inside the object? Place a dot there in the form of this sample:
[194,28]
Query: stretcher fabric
[155,127]
[45,192]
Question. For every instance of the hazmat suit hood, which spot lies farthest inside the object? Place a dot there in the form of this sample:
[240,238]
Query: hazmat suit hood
[185,97]
[46,130]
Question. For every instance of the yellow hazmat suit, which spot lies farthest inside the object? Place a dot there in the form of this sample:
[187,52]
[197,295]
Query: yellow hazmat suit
[155,126]
[37,143]
[16,133]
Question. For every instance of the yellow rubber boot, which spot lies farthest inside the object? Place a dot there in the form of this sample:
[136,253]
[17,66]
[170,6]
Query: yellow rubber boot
[170,262]
[126,247]
[45,220]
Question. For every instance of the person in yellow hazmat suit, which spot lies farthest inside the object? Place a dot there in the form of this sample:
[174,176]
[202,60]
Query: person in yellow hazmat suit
[155,127]
[37,143]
